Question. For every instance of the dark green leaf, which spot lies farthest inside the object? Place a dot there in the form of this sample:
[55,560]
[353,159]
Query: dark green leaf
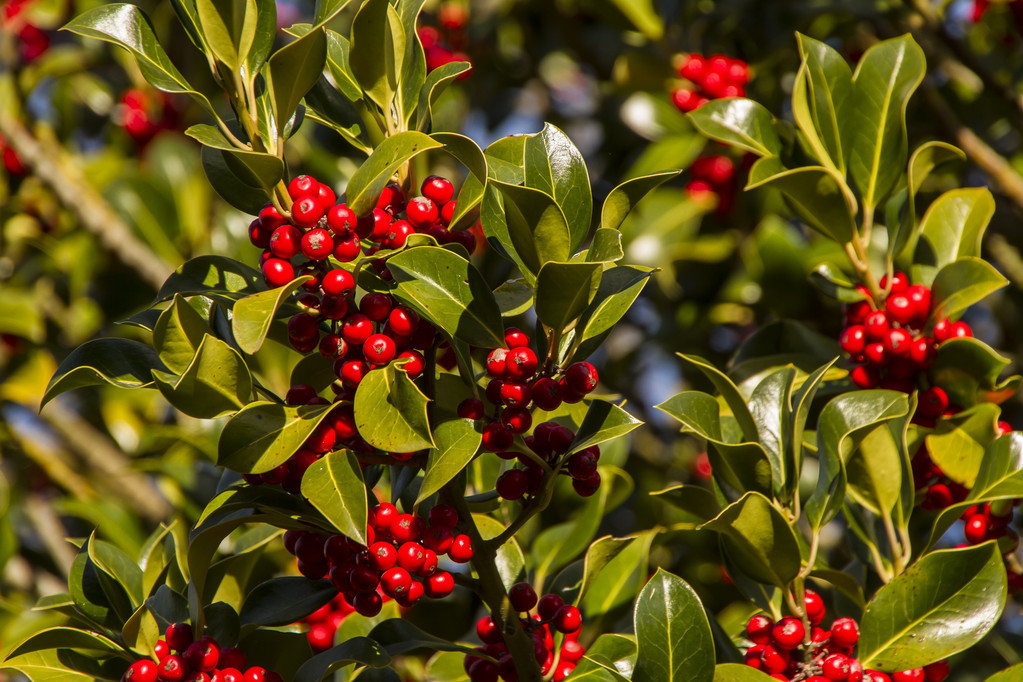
[536,226]
[739,122]
[672,632]
[514,297]
[829,84]
[563,292]
[471,194]
[759,539]
[119,566]
[216,383]
[450,292]
[378,51]
[325,105]
[67,638]
[178,333]
[366,184]
[952,229]
[614,572]
[399,636]
[390,411]
[214,277]
[926,158]
[606,246]
[413,66]
[619,287]
[692,499]
[293,70]
[62,665]
[968,370]
[457,440]
[729,392]
[817,195]
[355,650]
[943,604]
[283,601]
[338,53]
[264,435]
[128,26]
[254,314]
[119,362]
[436,83]
[958,442]
[770,407]
[604,421]
[959,285]
[246,198]
[835,283]
[335,486]
[263,41]
[885,78]
[229,27]
[624,197]
[553,165]
[738,672]
[328,9]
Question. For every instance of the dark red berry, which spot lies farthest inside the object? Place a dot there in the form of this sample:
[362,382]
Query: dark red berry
[471,408]
[522,597]
[512,484]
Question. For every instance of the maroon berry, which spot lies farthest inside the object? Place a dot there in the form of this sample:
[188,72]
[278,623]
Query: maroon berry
[471,408]
[522,597]
[203,655]
[512,484]
[179,636]
[497,437]
[936,672]
[545,394]
[581,377]
[367,604]
[443,515]
[568,619]
[517,419]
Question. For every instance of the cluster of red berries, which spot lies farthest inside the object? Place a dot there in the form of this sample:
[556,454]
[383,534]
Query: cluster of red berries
[400,558]
[891,346]
[551,612]
[708,78]
[713,175]
[990,521]
[517,384]
[783,651]
[12,162]
[321,228]
[182,658]
[33,42]
[144,113]
[446,42]
[324,622]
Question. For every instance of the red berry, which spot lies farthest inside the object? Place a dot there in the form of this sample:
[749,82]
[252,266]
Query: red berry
[395,581]
[496,363]
[512,484]
[545,394]
[286,241]
[517,419]
[179,636]
[788,632]
[422,212]
[845,632]
[900,308]
[938,496]
[376,306]
[548,606]
[367,604]
[876,326]
[581,377]
[277,272]
[379,349]
[440,585]
[303,186]
[407,528]
[338,282]
[497,437]
[357,329]
[488,632]
[374,225]
[172,669]
[814,607]
[438,190]
[515,393]
[920,299]
[342,220]
[461,549]
[960,330]
[932,402]
[522,597]
[865,377]
[835,667]
[317,244]
[203,655]
[347,248]
[853,339]
[471,408]
[415,363]
[913,675]
[353,372]
[568,619]
[758,629]
[520,363]
[976,529]
[140,671]
[936,672]
[403,320]
[773,659]
[443,515]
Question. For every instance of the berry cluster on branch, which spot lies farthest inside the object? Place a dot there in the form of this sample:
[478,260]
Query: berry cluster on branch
[707,78]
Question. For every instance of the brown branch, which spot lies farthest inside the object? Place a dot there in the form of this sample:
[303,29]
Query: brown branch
[51,164]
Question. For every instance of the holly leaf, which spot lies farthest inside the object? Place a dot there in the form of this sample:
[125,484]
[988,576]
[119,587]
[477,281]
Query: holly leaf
[672,633]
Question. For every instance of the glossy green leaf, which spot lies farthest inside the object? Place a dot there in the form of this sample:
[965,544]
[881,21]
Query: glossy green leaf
[471,193]
[458,441]
[537,228]
[293,70]
[926,158]
[968,370]
[254,314]
[563,292]
[283,601]
[874,467]
[327,106]
[216,383]
[111,560]
[328,9]
[335,486]
[178,333]
[229,27]
[262,42]
[67,638]
[729,392]
[829,90]
[214,277]
[817,195]
[354,650]
[1000,478]
[436,83]
[89,590]
[959,285]
[842,418]
[378,50]
[264,435]
[742,466]
[450,292]
[606,246]
[399,636]
[614,572]
[509,560]
[63,665]
[941,605]
[554,165]
[390,411]
[922,162]
[619,287]
[612,658]
[673,633]
[1010,674]
[226,183]
[885,78]
[832,281]
[624,197]
[759,539]
[604,421]
[339,65]
[127,26]
[413,66]
[119,362]
[952,229]
[366,183]
[958,442]
[738,672]
[513,297]
[738,122]
[770,407]
[692,499]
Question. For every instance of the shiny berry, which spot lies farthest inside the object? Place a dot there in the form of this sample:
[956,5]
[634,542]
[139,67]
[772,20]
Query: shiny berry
[845,632]
[303,186]
[512,484]
[277,272]
[853,339]
[522,597]
[758,629]
[788,632]
[306,212]
[461,549]
[438,190]
[140,671]
[567,619]
[471,408]
[520,363]
[421,212]
[317,244]
[379,349]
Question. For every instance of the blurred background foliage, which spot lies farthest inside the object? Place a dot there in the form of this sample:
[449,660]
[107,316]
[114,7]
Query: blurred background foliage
[101,196]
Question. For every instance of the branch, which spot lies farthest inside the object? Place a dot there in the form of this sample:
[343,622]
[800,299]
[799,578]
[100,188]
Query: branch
[51,164]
